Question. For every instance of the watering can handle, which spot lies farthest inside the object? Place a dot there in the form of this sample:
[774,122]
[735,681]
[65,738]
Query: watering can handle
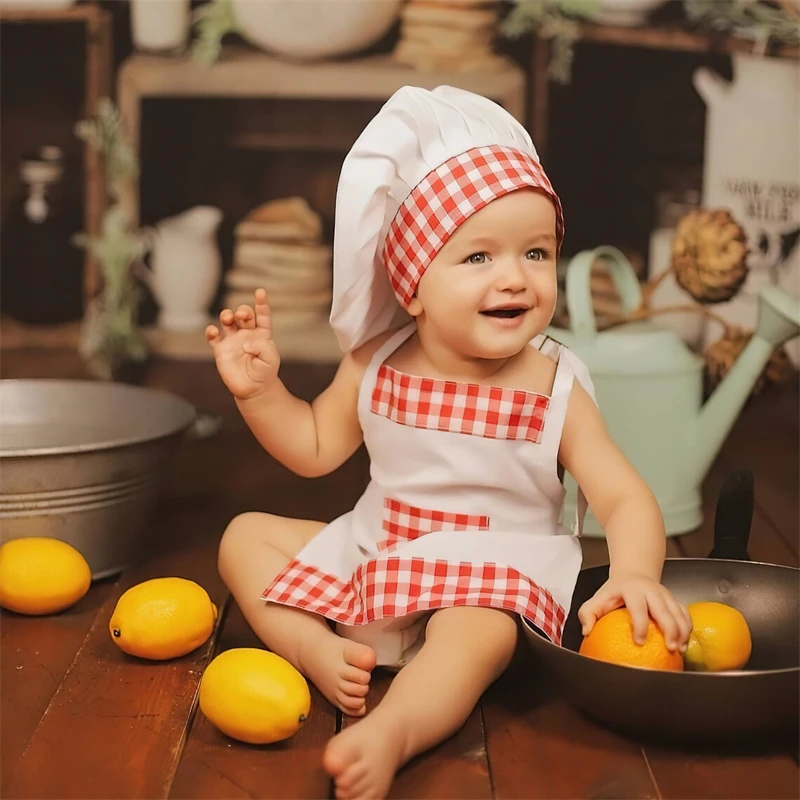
[579,288]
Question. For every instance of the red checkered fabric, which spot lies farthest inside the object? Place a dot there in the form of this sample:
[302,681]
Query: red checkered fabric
[404,523]
[446,197]
[489,411]
[393,587]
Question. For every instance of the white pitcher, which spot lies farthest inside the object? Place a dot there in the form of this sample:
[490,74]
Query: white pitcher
[752,168]
[185,267]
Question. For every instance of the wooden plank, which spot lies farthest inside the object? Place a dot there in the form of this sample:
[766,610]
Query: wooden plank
[116,726]
[245,72]
[82,13]
[766,439]
[458,768]
[313,141]
[35,654]
[676,39]
[539,94]
[541,748]
[97,85]
[737,775]
[215,766]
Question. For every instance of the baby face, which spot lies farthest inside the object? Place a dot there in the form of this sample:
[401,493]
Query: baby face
[492,287]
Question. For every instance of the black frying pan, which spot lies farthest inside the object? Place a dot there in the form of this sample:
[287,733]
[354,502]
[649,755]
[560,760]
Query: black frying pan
[758,700]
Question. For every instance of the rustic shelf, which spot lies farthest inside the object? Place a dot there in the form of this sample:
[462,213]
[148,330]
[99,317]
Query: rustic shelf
[97,84]
[16,335]
[243,72]
[84,13]
[651,38]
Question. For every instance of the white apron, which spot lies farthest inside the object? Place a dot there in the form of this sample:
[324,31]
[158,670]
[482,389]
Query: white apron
[463,509]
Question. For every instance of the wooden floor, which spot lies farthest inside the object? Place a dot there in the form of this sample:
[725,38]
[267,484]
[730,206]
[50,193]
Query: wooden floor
[81,720]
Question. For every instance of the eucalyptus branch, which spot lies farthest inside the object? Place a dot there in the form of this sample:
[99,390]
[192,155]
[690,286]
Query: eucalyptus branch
[110,335]
[751,19]
[211,23]
[103,134]
[555,20]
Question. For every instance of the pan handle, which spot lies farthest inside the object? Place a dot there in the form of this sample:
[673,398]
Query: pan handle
[734,516]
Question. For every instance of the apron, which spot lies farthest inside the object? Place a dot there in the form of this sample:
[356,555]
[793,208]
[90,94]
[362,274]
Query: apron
[463,509]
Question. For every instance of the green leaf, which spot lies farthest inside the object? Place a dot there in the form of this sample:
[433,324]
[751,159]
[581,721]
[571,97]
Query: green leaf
[212,22]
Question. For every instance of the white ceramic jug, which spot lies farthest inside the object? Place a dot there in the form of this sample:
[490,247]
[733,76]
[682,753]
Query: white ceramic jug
[752,168]
[185,267]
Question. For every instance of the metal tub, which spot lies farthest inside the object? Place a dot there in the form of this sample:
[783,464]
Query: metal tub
[82,461]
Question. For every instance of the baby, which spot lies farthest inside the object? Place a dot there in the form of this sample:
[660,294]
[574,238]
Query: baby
[445,249]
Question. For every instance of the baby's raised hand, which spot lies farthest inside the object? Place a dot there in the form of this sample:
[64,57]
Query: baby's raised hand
[245,353]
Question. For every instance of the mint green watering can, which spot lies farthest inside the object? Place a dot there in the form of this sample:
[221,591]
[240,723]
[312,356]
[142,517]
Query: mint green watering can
[649,387]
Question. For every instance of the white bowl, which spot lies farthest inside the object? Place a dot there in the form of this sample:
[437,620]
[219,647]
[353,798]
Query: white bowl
[312,29]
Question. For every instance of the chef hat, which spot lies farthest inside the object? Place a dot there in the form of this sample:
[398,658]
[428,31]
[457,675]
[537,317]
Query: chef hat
[425,163]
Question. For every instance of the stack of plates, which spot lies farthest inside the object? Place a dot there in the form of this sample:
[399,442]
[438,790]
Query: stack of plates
[449,35]
[279,248]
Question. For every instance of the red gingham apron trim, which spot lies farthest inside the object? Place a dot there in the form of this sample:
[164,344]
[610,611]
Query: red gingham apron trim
[446,197]
[404,523]
[392,587]
[493,412]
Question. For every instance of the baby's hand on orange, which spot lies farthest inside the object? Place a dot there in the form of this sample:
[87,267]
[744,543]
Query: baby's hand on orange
[244,351]
[643,597]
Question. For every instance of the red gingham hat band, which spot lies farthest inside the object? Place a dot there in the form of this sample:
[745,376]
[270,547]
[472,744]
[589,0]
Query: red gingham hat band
[446,197]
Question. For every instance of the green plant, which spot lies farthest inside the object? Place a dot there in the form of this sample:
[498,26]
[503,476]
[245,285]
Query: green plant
[110,336]
[751,19]
[556,20]
[212,22]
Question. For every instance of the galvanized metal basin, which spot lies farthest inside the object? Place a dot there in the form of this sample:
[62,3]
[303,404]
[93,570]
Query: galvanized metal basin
[82,461]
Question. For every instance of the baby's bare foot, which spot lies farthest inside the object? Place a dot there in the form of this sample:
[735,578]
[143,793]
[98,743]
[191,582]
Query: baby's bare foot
[363,759]
[341,670]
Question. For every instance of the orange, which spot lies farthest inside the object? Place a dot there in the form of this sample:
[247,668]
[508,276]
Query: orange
[720,638]
[611,639]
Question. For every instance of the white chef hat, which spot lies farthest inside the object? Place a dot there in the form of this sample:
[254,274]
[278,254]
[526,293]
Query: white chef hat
[425,163]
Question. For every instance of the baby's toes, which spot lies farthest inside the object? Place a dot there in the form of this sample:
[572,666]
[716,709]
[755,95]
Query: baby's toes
[352,689]
[356,675]
[353,706]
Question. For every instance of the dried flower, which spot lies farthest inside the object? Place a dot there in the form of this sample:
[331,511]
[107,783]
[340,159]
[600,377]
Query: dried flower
[709,255]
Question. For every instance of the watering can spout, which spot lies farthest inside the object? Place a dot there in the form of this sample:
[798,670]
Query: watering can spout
[778,321]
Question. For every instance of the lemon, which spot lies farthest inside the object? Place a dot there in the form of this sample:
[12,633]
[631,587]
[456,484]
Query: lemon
[39,575]
[254,696]
[162,618]
[720,638]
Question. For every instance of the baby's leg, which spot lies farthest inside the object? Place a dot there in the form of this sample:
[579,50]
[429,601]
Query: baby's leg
[465,650]
[253,550]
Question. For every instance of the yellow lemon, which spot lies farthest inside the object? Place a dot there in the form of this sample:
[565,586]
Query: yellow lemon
[254,696]
[39,575]
[720,638]
[162,618]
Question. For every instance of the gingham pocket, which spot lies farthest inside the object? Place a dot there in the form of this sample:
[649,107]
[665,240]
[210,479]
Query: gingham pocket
[404,523]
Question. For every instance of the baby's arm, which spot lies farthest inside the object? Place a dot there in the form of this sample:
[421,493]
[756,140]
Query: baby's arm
[628,512]
[311,439]
[619,498]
